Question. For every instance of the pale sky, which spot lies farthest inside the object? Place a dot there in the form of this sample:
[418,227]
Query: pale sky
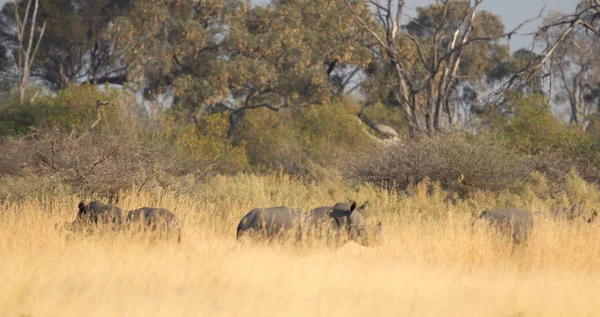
[512,12]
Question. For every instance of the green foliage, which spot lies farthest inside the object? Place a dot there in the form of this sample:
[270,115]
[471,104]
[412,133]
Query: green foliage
[304,141]
[72,108]
[223,56]
[205,142]
[388,115]
[531,127]
[15,118]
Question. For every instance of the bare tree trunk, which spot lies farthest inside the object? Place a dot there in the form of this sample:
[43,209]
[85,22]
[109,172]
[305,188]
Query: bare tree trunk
[235,121]
[26,55]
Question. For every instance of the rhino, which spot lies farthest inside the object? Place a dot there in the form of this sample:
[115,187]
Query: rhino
[95,213]
[269,222]
[573,213]
[517,223]
[345,219]
[338,223]
[154,218]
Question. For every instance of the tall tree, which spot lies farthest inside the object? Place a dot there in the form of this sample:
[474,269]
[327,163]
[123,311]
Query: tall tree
[27,42]
[223,56]
[448,46]
[75,47]
[574,68]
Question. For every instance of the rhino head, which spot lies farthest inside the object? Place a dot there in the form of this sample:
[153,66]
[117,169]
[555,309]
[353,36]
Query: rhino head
[350,220]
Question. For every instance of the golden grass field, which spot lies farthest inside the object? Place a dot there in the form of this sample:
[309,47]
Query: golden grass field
[431,263]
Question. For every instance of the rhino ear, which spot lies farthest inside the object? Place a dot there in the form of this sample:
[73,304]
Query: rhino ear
[593,217]
[364,206]
[352,206]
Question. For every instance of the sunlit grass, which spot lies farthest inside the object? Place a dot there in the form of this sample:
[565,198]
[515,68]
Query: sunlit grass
[432,262]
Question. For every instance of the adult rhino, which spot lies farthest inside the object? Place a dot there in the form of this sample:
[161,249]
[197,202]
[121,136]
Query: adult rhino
[517,223]
[345,222]
[336,224]
[95,213]
[574,213]
[153,219]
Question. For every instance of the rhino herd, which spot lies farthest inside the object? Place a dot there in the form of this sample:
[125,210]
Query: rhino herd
[146,218]
[335,225]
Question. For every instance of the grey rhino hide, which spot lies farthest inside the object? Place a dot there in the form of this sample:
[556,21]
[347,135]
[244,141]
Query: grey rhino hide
[514,222]
[338,222]
[268,222]
[95,213]
[341,221]
[154,218]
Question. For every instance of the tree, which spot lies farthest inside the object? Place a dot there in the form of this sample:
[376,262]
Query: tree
[449,45]
[305,51]
[26,43]
[222,56]
[75,47]
[575,69]
[178,48]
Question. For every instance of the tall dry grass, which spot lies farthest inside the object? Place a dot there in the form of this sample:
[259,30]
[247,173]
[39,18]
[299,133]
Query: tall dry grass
[432,262]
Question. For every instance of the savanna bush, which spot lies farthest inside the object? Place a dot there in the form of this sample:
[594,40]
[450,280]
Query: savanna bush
[310,141]
[460,164]
[128,148]
[530,128]
[73,108]
[529,125]
[205,142]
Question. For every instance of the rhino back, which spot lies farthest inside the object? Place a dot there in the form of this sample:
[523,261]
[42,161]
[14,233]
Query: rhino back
[516,221]
[113,214]
[335,215]
[151,216]
[322,216]
[271,221]
[98,212]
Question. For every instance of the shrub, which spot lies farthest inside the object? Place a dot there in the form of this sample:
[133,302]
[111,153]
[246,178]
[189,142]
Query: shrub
[310,141]
[531,129]
[71,109]
[205,142]
[101,164]
[530,126]
[458,163]
[131,150]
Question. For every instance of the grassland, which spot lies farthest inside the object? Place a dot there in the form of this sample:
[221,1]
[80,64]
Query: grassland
[432,262]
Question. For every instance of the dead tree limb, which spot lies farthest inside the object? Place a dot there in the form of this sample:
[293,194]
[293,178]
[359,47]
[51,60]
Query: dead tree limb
[26,52]
[99,118]
[424,96]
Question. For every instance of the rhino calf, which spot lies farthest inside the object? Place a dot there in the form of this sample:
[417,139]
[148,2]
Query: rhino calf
[95,213]
[153,219]
[517,223]
[574,213]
